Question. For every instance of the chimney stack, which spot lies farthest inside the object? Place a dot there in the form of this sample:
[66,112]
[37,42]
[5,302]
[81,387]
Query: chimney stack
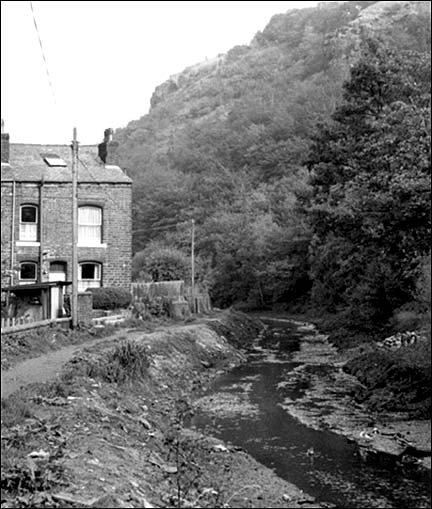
[4,144]
[108,134]
[107,148]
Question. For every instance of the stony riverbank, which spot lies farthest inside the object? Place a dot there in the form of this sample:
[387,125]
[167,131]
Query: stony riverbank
[329,402]
[109,431]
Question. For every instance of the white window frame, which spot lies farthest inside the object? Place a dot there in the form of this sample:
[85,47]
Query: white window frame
[28,281]
[96,282]
[57,275]
[85,226]
[28,231]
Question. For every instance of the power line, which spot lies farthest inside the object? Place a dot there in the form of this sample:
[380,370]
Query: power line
[43,54]
[97,182]
[165,227]
[158,227]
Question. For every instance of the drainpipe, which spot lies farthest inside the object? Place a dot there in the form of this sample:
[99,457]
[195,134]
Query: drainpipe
[12,234]
[41,238]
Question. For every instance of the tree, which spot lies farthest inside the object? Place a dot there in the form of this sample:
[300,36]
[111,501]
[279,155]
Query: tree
[160,263]
[370,175]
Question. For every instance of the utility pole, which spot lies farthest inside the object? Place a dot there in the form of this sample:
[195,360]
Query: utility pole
[74,303]
[193,266]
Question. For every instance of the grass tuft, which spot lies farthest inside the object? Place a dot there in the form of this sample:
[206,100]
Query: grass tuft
[126,362]
[14,410]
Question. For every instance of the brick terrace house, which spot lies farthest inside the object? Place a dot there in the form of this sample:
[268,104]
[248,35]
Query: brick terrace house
[36,215]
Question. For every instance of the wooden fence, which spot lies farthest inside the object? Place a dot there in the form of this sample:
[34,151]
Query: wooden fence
[9,325]
[173,292]
[11,322]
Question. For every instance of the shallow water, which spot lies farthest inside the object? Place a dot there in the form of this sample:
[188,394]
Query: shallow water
[244,408]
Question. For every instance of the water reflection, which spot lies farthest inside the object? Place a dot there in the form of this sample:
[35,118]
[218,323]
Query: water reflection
[245,411]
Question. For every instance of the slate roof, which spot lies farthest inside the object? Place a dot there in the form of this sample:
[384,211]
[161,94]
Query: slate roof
[27,165]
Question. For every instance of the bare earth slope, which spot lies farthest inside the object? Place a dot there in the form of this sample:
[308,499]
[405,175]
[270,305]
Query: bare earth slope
[108,431]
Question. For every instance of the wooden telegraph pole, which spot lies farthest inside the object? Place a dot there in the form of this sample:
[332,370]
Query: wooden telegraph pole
[74,303]
[193,266]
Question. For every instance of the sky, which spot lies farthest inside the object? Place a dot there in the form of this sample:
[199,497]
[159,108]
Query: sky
[104,59]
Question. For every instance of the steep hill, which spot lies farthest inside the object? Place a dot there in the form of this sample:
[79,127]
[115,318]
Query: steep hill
[225,140]
[289,77]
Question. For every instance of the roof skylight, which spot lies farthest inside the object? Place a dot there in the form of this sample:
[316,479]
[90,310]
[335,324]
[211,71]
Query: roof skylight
[53,160]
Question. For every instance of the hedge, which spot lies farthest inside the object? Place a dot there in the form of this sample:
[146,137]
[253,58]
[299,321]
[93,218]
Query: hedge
[110,297]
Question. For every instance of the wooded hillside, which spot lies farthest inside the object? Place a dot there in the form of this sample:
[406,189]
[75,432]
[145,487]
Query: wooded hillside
[303,159]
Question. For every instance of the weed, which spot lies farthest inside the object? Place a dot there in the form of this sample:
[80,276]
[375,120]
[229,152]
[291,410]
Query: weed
[26,478]
[58,388]
[125,363]
[187,470]
[14,410]
[395,381]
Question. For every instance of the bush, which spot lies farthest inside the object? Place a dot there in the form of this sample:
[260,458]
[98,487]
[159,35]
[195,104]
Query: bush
[405,319]
[395,381]
[424,292]
[110,298]
[125,363]
[159,263]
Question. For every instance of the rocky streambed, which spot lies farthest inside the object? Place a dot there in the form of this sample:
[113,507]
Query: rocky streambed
[110,430]
[291,407]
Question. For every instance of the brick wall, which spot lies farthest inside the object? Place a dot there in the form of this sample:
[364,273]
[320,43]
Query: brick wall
[6,224]
[56,234]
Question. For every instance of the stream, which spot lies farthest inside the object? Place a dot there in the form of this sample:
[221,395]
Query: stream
[244,408]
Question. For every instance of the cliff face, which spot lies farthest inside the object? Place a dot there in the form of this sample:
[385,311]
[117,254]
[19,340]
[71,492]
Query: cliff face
[233,133]
[339,36]
[292,70]
[179,80]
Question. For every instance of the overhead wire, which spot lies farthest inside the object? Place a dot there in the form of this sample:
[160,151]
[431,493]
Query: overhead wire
[122,209]
[43,54]
[97,182]
[55,102]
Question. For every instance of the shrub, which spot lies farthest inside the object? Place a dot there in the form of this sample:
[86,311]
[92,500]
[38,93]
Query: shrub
[395,381]
[405,319]
[126,362]
[110,298]
[424,292]
[159,263]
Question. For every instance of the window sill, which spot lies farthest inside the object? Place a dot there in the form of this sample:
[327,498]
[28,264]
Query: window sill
[104,245]
[27,243]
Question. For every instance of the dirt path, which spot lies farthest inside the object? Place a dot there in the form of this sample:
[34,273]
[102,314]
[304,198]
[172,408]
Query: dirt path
[46,367]
[120,445]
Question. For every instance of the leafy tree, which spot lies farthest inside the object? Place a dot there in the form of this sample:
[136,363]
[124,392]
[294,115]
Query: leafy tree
[162,262]
[227,146]
[370,175]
